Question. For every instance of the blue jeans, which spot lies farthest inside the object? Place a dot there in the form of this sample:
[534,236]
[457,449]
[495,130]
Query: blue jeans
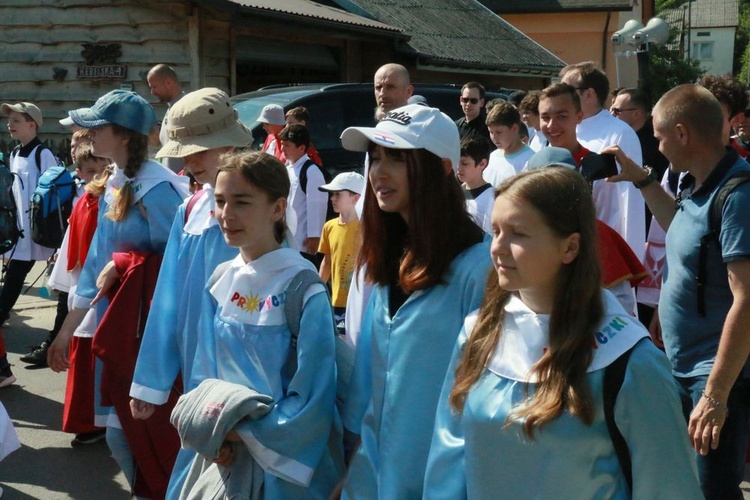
[721,470]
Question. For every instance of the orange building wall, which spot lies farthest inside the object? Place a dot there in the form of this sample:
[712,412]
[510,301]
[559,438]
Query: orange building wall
[576,37]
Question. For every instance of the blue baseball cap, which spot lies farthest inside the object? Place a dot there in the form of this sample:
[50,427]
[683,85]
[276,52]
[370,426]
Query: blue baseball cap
[120,107]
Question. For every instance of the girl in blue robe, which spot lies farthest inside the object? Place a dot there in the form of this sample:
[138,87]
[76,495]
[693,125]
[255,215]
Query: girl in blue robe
[244,337]
[135,213]
[522,414]
[194,248]
[429,265]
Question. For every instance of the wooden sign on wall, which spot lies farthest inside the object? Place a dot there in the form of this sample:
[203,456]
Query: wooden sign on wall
[101,59]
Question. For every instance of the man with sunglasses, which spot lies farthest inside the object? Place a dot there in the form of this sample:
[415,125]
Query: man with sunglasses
[633,106]
[472,104]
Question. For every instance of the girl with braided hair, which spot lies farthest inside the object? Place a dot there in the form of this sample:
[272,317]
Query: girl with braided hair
[136,211]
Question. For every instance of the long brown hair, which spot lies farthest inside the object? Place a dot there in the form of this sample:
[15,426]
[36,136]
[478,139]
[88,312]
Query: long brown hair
[563,199]
[266,173]
[137,154]
[417,255]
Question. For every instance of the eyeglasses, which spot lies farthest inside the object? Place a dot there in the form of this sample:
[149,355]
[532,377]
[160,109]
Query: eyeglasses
[472,100]
[617,111]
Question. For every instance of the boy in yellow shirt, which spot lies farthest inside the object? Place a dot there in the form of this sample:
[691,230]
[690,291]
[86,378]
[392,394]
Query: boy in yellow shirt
[340,241]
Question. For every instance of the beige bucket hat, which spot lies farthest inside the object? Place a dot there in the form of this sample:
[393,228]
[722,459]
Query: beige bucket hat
[203,120]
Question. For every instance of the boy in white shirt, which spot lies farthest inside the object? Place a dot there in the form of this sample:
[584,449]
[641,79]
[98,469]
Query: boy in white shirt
[308,203]
[480,197]
[512,154]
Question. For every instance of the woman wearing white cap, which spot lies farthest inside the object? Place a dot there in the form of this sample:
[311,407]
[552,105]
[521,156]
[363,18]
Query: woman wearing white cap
[429,264]
[136,211]
[202,126]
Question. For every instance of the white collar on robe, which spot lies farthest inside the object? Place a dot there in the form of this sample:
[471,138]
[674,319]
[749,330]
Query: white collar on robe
[526,337]
[149,175]
[202,214]
[253,293]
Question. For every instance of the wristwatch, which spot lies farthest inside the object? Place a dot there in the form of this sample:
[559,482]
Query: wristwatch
[650,177]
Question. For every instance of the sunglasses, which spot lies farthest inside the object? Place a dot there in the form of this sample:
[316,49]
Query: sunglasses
[472,100]
[617,111]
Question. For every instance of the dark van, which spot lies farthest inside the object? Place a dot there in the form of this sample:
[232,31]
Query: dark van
[334,107]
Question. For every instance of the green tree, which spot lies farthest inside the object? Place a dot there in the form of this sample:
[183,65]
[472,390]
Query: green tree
[741,39]
[669,69]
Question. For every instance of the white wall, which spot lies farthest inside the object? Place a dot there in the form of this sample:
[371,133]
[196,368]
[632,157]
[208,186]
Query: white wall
[722,52]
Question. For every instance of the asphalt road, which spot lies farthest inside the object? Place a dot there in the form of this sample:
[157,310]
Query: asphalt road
[47,466]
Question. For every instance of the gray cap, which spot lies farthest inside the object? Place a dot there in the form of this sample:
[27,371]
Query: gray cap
[273,114]
[551,156]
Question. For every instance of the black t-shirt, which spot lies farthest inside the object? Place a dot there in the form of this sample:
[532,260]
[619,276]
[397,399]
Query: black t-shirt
[477,126]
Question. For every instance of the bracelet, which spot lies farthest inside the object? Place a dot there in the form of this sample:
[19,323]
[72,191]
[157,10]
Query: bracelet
[715,402]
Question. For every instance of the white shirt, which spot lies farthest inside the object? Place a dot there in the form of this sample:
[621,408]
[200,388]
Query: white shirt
[538,141]
[480,209]
[503,166]
[310,207]
[620,204]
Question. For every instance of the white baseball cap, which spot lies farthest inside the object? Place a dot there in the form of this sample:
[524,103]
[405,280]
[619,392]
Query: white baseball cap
[348,181]
[409,127]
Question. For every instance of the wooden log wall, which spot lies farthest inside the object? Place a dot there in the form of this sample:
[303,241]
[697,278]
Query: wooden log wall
[40,36]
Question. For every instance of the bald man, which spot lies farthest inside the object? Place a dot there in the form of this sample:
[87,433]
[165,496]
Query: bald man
[165,86]
[393,88]
[706,330]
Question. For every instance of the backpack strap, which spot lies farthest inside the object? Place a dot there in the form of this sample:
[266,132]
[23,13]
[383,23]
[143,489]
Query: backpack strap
[303,174]
[38,156]
[218,273]
[614,374]
[191,203]
[715,214]
[295,292]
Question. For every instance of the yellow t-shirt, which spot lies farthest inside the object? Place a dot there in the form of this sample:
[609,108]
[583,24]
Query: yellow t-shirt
[341,243]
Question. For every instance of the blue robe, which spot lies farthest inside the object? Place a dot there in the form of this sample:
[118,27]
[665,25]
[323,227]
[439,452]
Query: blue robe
[134,232]
[474,456]
[399,370]
[244,339]
[194,249]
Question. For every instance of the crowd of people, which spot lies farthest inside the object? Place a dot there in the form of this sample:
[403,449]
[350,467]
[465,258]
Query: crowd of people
[547,298]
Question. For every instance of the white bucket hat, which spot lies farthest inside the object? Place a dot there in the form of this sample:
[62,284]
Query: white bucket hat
[273,114]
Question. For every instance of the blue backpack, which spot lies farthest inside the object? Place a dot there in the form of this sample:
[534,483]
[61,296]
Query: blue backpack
[51,205]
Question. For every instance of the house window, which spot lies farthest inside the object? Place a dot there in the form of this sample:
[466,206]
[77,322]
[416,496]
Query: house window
[703,50]
[703,33]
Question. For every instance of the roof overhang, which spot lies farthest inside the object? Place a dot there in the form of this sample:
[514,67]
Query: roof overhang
[306,12]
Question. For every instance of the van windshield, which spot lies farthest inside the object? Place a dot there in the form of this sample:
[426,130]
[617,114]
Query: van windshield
[249,109]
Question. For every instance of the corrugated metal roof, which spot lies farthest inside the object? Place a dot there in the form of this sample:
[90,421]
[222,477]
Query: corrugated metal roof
[460,32]
[704,14]
[314,10]
[552,6]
